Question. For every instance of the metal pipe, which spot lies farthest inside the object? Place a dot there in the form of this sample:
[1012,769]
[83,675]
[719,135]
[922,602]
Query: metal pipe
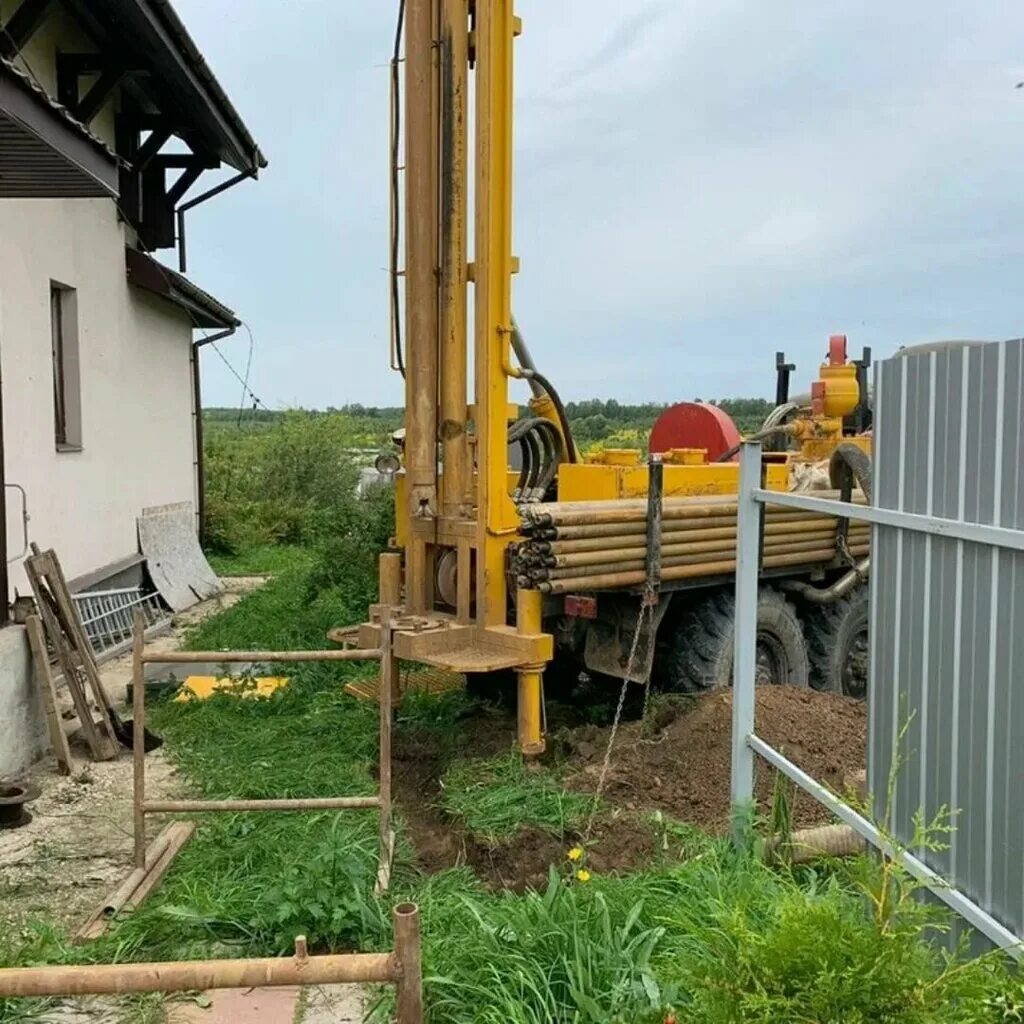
[525,360]
[529,607]
[201,198]
[838,590]
[199,462]
[330,803]
[278,657]
[187,976]
[812,539]
[557,532]
[605,581]
[390,580]
[406,920]
[421,254]
[138,739]
[619,542]
[813,552]
[454,360]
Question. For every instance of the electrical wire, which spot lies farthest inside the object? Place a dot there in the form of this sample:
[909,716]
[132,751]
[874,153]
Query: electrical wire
[396,128]
[248,370]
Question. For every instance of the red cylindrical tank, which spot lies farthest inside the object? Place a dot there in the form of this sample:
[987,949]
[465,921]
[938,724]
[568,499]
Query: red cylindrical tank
[694,425]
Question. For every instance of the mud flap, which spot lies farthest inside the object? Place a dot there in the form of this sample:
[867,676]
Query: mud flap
[610,636]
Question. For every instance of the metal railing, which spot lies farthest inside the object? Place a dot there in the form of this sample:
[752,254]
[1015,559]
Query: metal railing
[107,616]
[746,743]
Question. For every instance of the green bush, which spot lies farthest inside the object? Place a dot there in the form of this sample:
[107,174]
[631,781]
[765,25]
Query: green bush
[293,482]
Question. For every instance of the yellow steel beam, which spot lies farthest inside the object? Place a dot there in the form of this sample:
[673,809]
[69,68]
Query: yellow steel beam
[421,290]
[454,75]
[497,520]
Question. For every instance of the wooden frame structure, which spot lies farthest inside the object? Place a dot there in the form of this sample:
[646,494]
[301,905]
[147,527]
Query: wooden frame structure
[152,863]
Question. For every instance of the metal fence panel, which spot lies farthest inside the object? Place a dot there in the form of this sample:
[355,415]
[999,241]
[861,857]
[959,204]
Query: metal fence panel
[947,644]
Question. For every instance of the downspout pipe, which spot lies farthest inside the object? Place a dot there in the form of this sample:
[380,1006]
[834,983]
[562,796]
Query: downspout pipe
[197,405]
[201,198]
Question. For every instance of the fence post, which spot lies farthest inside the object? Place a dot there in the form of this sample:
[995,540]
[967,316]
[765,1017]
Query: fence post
[139,738]
[406,917]
[748,554]
[386,692]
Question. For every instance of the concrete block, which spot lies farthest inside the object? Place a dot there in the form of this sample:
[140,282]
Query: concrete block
[23,736]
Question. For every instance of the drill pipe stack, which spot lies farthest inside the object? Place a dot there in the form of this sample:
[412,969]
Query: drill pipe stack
[602,545]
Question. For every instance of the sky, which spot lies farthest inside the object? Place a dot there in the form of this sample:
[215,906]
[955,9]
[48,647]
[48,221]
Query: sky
[697,186]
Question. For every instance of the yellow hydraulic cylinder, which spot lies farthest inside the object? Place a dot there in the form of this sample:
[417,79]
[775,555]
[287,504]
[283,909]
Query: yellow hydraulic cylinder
[497,522]
[531,691]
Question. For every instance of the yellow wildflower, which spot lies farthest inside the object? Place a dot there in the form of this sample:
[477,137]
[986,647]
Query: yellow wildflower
[583,875]
[575,854]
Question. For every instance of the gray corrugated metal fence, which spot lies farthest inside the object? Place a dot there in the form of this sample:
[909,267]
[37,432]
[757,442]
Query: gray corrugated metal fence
[947,615]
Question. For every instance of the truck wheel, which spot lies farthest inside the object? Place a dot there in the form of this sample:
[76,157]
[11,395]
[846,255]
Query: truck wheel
[837,636]
[698,655]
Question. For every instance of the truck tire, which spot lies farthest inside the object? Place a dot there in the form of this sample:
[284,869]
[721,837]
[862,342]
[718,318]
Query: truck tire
[837,637]
[698,652]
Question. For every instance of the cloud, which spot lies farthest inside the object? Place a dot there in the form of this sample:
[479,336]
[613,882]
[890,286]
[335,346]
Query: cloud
[697,185]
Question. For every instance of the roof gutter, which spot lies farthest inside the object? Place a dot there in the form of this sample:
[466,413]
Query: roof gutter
[208,194]
[198,463]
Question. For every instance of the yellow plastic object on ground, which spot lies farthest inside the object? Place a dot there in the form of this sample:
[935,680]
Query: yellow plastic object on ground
[201,687]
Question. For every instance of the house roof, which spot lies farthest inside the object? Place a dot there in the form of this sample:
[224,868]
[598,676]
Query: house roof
[44,151]
[149,34]
[205,311]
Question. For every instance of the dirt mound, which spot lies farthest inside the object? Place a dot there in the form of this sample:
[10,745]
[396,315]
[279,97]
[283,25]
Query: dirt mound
[623,842]
[679,763]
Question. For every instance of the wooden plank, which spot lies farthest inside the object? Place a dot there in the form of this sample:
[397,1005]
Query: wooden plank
[80,643]
[102,747]
[44,680]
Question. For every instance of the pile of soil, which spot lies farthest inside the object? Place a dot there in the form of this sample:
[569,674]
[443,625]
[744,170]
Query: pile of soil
[680,763]
[619,843]
[676,762]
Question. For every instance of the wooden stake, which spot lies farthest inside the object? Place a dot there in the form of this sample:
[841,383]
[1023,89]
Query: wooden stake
[385,699]
[139,739]
[44,681]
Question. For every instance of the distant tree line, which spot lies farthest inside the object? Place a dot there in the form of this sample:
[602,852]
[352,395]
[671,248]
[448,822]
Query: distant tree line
[596,422]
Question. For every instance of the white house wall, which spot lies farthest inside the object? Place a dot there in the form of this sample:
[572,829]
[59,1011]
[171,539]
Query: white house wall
[136,397]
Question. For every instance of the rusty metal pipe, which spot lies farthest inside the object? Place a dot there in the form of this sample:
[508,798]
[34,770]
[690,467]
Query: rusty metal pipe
[187,976]
[615,580]
[815,551]
[330,803]
[670,536]
[236,657]
[808,540]
[453,369]
[595,530]
[629,512]
[421,255]
[838,590]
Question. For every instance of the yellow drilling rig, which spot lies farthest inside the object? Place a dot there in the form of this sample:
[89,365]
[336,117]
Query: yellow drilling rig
[510,546]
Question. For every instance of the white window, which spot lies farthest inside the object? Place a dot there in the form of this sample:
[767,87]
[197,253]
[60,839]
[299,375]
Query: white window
[67,396]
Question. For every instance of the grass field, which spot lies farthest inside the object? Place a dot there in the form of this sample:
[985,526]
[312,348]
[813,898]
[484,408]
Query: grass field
[710,936]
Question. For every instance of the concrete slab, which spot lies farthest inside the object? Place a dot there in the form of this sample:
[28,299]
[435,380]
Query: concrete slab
[238,1006]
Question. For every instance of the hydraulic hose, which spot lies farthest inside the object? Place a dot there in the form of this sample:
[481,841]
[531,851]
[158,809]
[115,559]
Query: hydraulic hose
[848,463]
[556,401]
[759,436]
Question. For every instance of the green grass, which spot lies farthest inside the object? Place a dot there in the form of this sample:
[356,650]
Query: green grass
[266,560]
[712,935]
[494,798]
